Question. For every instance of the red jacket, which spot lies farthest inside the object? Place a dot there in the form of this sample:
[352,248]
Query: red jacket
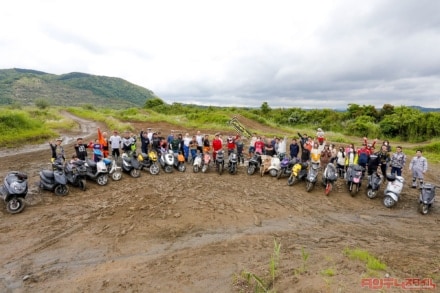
[217,144]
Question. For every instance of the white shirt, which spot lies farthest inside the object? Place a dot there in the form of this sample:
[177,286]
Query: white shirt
[115,141]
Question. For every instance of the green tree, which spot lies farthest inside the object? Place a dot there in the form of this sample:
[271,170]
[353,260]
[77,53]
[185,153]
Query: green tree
[154,102]
[42,103]
[265,109]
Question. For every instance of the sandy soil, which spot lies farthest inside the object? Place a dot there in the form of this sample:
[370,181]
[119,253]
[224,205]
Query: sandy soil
[195,232]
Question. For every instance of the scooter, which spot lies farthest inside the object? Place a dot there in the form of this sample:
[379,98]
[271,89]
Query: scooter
[130,164]
[353,176]
[206,160]
[149,162]
[220,161]
[76,174]
[232,163]
[275,166]
[197,164]
[299,173]
[166,160]
[312,176]
[179,162]
[254,164]
[329,177]
[54,180]
[393,190]
[114,169]
[14,191]
[426,198]
[286,165]
[374,182]
[97,171]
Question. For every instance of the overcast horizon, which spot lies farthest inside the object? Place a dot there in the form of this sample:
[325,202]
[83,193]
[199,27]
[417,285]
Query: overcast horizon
[314,54]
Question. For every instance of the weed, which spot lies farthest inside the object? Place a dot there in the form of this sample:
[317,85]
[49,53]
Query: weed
[371,262]
[304,256]
[328,272]
[259,284]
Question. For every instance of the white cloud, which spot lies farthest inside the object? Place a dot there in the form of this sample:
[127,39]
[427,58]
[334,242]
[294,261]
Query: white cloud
[288,53]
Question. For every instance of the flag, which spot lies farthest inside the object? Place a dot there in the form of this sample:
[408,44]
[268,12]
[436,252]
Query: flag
[101,139]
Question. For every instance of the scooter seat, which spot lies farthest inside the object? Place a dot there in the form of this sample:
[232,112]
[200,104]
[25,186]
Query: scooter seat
[91,163]
[48,174]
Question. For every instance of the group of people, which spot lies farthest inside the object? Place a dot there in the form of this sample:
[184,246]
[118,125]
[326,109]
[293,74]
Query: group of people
[305,149]
[383,159]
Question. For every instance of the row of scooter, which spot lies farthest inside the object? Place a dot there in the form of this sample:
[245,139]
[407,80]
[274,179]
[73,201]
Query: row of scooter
[297,171]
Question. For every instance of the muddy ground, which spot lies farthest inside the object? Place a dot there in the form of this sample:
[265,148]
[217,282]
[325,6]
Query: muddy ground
[188,232]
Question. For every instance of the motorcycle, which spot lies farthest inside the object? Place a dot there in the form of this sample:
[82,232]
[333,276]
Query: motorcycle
[254,164]
[286,165]
[393,190]
[205,162]
[149,162]
[97,171]
[312,176]
[197,163]
[54,180]
[76,174]
[353,177]
[220,161]
[232,163]
[374,182]
[14,191]
[275,166]
[179,162]
[426,198]
[329,177]
[130,164]
[299,172]
[166,160]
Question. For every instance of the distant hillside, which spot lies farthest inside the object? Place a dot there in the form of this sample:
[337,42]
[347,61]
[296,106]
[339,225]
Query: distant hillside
[73,89]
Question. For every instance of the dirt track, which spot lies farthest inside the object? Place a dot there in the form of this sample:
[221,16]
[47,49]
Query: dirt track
[187,232]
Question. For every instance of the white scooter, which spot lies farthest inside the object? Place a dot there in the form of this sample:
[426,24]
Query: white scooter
[275,166]
[393,190]
[426,198]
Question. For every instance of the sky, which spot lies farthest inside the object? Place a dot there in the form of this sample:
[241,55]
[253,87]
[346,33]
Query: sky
[288,53]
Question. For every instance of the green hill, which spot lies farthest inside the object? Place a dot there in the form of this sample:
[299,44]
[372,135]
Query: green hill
[25,86]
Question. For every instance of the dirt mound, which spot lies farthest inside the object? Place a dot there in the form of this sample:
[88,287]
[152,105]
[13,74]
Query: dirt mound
[197,232]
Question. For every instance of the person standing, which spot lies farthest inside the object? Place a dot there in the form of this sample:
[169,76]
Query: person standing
[384,158]
[398,160]
[57,150]
[145,142]
[185,144]
[115,144]
[418,166]
[199,138]
[294,149]
[80,149]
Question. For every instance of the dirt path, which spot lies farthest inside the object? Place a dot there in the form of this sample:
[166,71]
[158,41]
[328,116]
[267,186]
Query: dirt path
[188,232]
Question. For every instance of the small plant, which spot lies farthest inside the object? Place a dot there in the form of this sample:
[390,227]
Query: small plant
[328,272]
[304,256]
[371,262]
[258,282]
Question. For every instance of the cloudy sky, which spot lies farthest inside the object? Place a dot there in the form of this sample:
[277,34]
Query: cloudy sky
[293,53]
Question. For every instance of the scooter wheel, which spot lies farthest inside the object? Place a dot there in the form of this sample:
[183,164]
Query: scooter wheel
[251,170]
[82,184]
[102,179]
[117,175]
[328,188]
[279,174]
[135,173]
[196,169]
[154,169]
[273,172]
[309,186]
[291,180]
[371,193]
[182,168]
[204,168]
[15,205]
[168,169]
[61,190]
[388,201]
[423,208]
